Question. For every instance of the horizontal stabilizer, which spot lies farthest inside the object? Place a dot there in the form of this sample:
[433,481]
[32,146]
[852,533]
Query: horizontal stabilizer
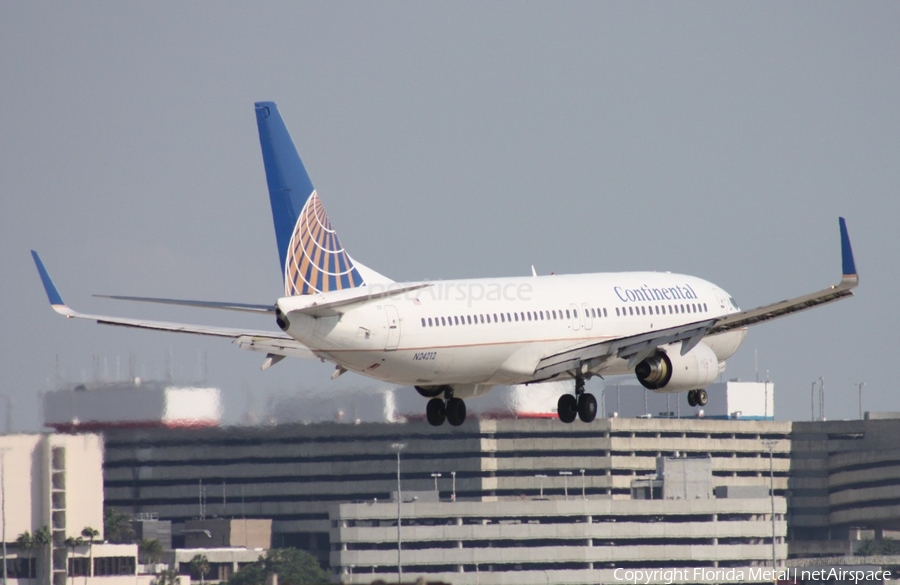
[267,341]
[330,304]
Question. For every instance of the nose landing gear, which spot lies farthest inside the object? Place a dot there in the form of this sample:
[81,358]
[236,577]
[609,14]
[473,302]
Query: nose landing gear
[697,397]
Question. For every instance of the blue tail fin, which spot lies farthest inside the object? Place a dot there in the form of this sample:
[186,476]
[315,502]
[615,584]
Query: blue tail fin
[312,258]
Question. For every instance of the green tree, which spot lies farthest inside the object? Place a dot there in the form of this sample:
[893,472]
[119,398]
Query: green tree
[885,546]
[150,551]
[25,543]
[42,537]
[72,543]
[293,566]
[200,566]
[117,527]
[167,577]
[89,533]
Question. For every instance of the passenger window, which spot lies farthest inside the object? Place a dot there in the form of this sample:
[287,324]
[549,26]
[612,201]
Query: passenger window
[604,312]
[516,316]
[423,321]
[617,311]
[443,322]
[502,318]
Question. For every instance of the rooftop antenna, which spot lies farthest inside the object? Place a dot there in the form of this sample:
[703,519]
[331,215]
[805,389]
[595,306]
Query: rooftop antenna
[860,385]
[822,398]
[131,366]
[812,401]
[756,363]
[169,364]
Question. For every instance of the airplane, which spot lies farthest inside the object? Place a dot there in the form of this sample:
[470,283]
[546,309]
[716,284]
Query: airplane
[453,340]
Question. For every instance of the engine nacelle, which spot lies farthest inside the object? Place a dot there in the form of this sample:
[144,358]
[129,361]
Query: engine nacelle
[673,372]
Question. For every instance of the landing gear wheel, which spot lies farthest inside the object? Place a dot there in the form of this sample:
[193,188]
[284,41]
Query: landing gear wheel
[702,397]
[587,407]
[692,397]
[456,411]
[567,408]
[436,412]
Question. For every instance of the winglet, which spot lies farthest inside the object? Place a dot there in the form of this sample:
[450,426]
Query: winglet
[847,264]
[52,294]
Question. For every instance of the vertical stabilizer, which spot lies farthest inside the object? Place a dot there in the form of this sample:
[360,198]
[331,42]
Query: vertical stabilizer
[312,258]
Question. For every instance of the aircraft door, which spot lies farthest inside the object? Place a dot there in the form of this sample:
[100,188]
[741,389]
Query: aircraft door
[393,328]
[588,320]
[576,318]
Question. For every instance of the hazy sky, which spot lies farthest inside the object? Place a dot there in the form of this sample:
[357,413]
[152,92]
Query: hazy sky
[447,140]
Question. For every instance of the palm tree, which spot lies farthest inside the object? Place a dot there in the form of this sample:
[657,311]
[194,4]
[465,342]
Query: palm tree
[167,577]
[42,539]
[200,565]
[25,543]
[72,542]
[90,534]
[150,551]
[117,526]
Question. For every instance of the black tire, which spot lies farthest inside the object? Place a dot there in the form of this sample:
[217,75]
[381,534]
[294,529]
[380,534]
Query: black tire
[436,412]
[702,397]
[456,411]
[587,407]
[567,408]
[692,398]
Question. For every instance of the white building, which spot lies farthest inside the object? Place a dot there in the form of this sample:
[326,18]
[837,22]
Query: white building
[53,484]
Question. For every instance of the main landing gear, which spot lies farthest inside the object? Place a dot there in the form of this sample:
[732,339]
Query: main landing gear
[451,409]
[582,404]
[697,397]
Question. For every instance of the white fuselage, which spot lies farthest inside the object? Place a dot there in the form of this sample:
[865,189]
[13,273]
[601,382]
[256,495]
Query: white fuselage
[495,331]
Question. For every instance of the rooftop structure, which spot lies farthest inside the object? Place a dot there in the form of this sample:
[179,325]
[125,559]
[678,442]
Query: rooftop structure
[131,405]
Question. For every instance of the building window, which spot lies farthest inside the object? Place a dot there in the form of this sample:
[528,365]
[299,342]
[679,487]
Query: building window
[114,566]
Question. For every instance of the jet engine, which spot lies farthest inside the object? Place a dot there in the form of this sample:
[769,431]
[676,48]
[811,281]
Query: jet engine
[672,372]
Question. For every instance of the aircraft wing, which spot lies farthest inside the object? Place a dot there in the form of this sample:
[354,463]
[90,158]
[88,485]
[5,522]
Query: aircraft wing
[635,348]
[275,344]
[200,304]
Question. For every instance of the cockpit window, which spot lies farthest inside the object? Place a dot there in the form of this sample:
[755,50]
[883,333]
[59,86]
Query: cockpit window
[733,304]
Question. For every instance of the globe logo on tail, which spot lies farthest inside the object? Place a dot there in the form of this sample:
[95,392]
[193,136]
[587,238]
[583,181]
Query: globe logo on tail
[316,262]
